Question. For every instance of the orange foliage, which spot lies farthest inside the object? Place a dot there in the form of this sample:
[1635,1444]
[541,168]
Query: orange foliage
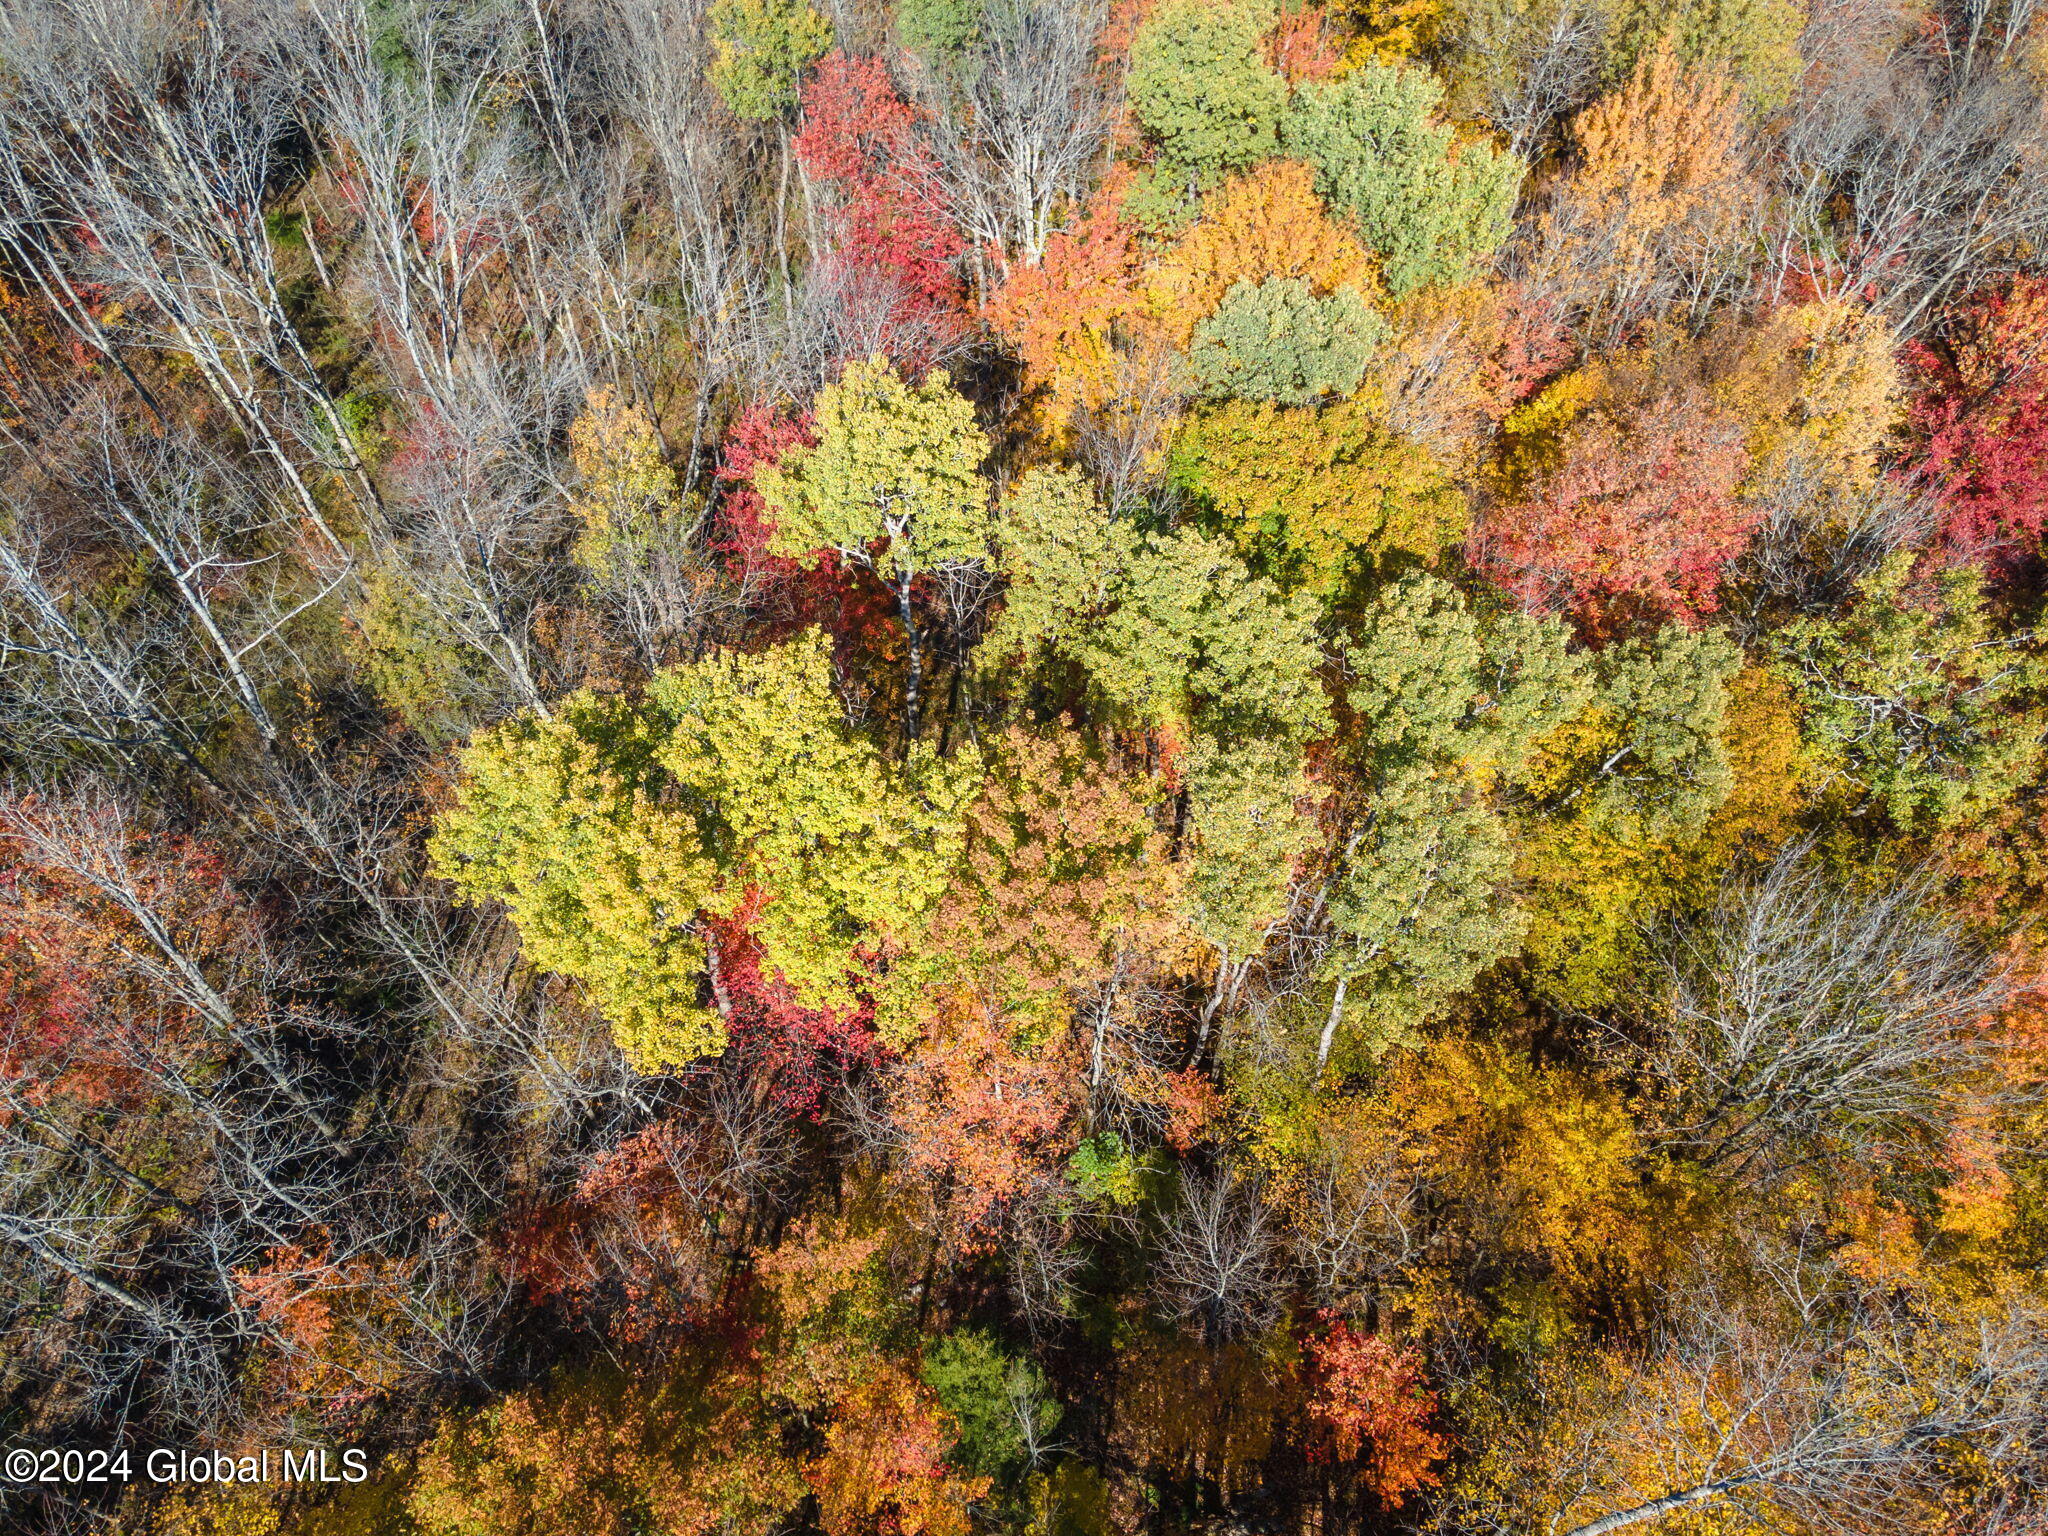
[1061,314]
[1064,869]
[979,1115]
[1369,1396]
[327,1320]
[1660,184]
[1301,48]
[1266,223]
[883,1469]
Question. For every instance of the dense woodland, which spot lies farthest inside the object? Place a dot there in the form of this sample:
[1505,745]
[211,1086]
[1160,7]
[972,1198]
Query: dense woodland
[1037,766]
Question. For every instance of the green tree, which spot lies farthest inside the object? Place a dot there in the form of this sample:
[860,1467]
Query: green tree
[1432,207]
[1421,907]
[1445,706]
[1247,838]
[1315,490]
[566,822]
[942,31]
[1001,1403]
[894,483]
[1064,556]
[1172,628]
[1755,41]
[1645,761]
[1200,87]
[759,50]
[1277,341]
[1918,703]
[611,831]
[1430,682]
[1195,638]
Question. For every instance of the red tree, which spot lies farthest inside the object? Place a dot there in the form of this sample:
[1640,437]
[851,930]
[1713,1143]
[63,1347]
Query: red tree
[1983,412]
[1369,1399]
[893,251]
[1638,517]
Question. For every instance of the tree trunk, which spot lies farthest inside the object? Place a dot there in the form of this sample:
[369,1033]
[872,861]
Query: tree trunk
[914,674]
[1657,1508]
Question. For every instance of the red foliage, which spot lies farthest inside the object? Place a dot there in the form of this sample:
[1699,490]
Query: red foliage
[630,1246]
[1639,517]
[1983,412]
[1301,47]
[792,594]
[894,251]
[797,1052]
[1369,1399]
[77,1000]
[1532,346]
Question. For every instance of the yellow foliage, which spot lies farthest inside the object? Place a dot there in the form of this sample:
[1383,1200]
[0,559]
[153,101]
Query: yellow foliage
[1541,1159]
[1533,434]
[1590,890]
[1321,483]
[1818,387]
[1392,30]
[208,1512]
[627,487]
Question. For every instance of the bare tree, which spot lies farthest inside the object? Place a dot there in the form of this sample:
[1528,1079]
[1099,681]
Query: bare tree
[1019,127]
[1354,1219]
[225,554]
[1825,1414]
[138,140]
[1217,1263]
[1913,171]
[1802,1019]
[1819,538]
[1529,66]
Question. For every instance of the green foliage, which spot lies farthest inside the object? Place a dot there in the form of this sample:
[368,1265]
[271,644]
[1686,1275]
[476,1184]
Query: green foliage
[1193,636]
[849,847]
[1664,700]
[1422,906]
[1200,87]
[565,821]
[1445,706]
[893,461]
[1105,1171]
[940,30]
[995,1397]
[1915,699]
[1248,836]
[415,661]
[1064,556]
[1432,684]
[609,831]
[1646,760]
[1169,627]
[1755,41]
[1277,341]
[1433,208]
[759,50]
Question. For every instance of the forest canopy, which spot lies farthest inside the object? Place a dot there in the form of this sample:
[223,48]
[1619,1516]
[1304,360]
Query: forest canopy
[1055,767]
